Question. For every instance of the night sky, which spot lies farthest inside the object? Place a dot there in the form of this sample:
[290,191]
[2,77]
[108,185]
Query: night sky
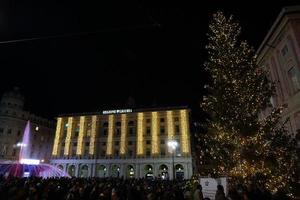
[94,56]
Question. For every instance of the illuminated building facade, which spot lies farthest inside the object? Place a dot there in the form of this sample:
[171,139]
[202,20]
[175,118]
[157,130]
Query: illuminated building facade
[128,143]
[279,53]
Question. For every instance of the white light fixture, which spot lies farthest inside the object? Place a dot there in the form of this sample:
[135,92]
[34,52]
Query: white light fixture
[29,161]
[37,128]
[173,144]
[19,144]
[26,174]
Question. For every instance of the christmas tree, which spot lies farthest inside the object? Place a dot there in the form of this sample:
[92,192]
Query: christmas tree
[246,137]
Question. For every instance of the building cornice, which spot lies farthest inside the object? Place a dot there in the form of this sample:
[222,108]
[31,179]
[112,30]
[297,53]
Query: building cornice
[278,26]
[134,110]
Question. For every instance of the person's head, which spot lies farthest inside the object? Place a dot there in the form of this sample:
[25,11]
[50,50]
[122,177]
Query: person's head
[220,187]
[199,187]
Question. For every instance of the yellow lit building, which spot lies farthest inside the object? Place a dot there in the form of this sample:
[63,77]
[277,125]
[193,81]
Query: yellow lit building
[125,142]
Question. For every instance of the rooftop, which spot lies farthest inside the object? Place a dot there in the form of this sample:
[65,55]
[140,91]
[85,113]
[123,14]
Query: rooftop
[284,12]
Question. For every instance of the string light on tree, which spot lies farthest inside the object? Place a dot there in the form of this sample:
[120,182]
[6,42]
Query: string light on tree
[240,141]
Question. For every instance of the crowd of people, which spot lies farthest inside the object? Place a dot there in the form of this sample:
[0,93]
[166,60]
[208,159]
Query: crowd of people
[35,188]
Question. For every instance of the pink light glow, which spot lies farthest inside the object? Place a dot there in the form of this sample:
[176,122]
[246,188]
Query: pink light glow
[24,152]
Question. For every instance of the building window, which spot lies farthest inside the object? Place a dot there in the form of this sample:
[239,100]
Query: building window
[284,50]
[14,152]
[130,152]
[148,142]
[105,132]
[1,130]
[177,129]
[103,143]
[118,123]
[87,144]
[62,144]
[148,131]
[102,153]
[76,133]
[64,133]
[176,119]
[162,142]
[116,152]
[118,131]
[18,133]
[75,144]
[105,124]
[162,119]
[148,152]
[130,131]
[117,143]
[294,76]
[130,123]
[8,131]
[148,120]
[162,130]
[129,143]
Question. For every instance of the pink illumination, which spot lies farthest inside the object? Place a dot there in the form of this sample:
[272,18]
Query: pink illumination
[24,152]
[27,167]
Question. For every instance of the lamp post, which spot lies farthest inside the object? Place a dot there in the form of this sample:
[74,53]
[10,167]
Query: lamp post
[173,144]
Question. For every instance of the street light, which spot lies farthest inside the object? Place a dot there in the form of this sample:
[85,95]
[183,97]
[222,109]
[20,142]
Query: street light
[173,144]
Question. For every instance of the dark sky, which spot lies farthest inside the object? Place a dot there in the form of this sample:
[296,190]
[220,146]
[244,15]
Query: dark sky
[105,52]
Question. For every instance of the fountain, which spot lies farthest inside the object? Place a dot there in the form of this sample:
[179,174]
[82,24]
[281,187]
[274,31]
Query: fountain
[27,167]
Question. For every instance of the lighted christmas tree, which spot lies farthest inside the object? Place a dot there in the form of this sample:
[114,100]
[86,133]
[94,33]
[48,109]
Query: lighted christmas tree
[245,137]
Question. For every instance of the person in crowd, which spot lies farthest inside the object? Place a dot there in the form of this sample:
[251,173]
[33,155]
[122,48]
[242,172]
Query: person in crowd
[198,195]
[220,195]
[35,188]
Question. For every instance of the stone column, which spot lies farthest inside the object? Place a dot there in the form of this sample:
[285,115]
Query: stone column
[137,171]
[77,169]
[155,170]
[65,169]
[170,170]
[90,169]
[122,168]
[189,169]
